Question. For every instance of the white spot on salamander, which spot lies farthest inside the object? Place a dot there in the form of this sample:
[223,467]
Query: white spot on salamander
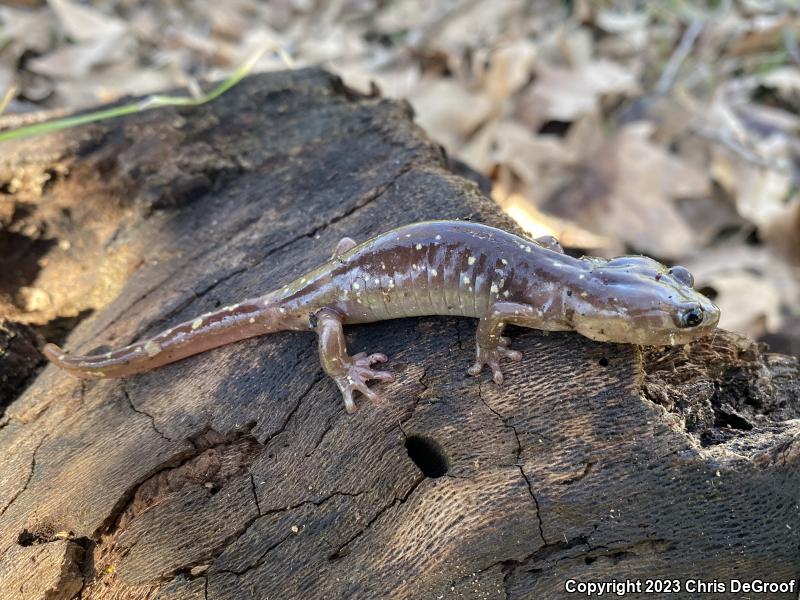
[505,294]
[198,322]
[527,248]
[152,348]
[466,279]
[504,261]
[438,237]
[471,260]
[252,320]
[418,246]
[356,285]
[434,272]
[494,288]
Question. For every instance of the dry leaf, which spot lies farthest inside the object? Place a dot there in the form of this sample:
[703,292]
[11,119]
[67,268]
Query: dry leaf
[542,162]
[621,22]
[560,94]
[751,285]
[510,69]
[763,35]
[113,83]
[76,61]
[748,303]
[82,23]
[538,224]
[472,23]
[23,30]
[448,112]
[628,192]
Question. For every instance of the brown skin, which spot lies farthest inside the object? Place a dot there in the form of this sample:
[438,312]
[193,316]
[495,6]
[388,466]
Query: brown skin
[439,268]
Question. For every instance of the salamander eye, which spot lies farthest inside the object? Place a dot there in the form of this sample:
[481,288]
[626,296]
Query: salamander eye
[682,274]
[692,317]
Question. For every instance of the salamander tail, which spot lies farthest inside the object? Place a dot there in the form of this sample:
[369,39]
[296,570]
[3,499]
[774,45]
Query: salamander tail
[224,326]
[58,357]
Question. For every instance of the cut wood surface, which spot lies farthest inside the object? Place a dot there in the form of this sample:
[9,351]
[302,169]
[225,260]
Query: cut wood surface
[237,474]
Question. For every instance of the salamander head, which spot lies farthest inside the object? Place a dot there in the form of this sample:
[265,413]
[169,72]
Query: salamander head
[637,300]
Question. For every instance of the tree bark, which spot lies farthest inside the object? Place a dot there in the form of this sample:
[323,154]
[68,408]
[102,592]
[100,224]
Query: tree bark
[237,474]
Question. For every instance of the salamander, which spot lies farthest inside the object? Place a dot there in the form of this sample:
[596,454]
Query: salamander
[438,268]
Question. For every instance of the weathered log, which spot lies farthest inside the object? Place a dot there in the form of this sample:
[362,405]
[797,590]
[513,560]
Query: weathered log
[237,473]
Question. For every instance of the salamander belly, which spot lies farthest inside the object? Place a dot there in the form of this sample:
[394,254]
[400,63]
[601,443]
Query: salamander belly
[422,279]
[430,268]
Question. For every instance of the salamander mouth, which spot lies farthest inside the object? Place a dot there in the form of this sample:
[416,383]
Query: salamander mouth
[650,330]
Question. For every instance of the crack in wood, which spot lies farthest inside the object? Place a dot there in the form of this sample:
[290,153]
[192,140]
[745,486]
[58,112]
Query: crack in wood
[124,387]
[338,553]
[28,480]
[260,560]
[518,459]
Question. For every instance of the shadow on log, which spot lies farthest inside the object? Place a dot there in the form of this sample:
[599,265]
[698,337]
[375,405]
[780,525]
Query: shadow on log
[237,474]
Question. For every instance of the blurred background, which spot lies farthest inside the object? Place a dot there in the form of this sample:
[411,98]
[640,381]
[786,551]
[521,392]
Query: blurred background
[664,128]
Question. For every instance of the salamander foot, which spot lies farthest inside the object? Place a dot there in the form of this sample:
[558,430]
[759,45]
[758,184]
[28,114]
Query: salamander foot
[491,357]
[357,371]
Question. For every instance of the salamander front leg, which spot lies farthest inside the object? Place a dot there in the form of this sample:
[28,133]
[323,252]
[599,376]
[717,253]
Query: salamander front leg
[491,346]
[549,242]
[350,373]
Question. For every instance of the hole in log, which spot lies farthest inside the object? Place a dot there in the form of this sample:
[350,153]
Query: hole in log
[427,455]
[26,538]
[603,362]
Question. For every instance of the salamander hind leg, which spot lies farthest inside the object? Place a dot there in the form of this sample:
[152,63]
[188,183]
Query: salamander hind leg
[491,346]
[350,373]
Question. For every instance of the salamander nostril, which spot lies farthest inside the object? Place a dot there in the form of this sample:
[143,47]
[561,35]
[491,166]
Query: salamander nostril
[427,455]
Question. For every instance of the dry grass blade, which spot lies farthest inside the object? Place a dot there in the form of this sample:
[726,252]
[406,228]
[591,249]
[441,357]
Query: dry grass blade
[148,103]
[7,97]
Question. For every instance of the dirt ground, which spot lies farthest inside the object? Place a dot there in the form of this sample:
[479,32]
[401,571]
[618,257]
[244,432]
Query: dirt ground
[668,129]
